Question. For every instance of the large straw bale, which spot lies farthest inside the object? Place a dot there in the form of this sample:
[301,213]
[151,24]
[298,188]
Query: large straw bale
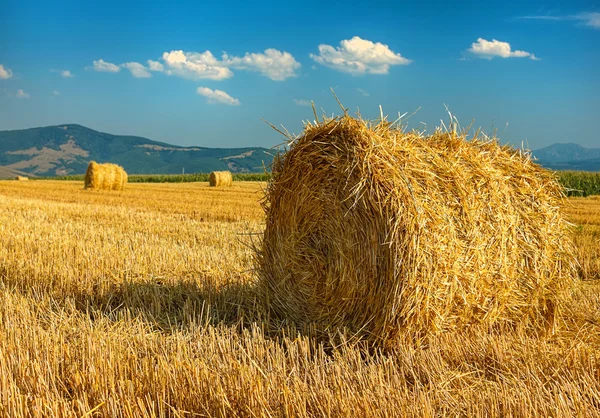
[105,177]
[220,179]
[382,232]
[22,178]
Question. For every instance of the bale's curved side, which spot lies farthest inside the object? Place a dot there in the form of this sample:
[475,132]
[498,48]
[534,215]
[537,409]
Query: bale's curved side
[124,179]
[22,178]
[105,177]
[220,179]
[120,178]
[384,232]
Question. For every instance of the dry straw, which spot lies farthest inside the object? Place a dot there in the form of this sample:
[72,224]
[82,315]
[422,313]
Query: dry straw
[383,232]
[105,177]
[22,178]
[220,179]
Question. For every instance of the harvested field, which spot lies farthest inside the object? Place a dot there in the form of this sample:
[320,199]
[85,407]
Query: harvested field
[145,304]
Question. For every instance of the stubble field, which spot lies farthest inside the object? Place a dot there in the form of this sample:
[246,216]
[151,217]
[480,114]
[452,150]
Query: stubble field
[142,303]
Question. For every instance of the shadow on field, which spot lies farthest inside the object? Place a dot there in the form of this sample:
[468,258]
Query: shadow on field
[172,307]
[189,305]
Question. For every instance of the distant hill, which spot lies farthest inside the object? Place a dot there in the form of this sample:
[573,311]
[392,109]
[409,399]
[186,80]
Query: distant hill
[67,149]
[569,157]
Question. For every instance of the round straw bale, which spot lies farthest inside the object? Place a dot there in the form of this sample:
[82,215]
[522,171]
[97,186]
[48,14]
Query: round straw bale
[384,232]
[105,177]
[220,179]
[22,178]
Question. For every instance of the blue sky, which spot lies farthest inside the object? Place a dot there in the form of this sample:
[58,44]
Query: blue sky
[207,73]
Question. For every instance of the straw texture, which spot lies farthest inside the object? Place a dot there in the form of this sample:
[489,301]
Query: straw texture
[105,177]
[220,179]
[22,178]
[383,232]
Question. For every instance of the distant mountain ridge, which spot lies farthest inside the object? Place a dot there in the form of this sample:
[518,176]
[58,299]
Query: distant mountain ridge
[67,149]
[568,156]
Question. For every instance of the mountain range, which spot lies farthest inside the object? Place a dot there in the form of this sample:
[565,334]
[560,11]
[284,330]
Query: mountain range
[67,149]
[569,156]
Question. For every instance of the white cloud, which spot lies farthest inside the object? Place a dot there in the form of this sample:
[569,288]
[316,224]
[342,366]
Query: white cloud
[106,67]
[22,95]
[359,56]
[194,65]
[56,93]
[276,65]
[542,17]
[64,73]
[217,96]
[137,70]
[5,73]
[494,48]
[155,66]
[589,19]
[363,92]
[272,63]
[301,102]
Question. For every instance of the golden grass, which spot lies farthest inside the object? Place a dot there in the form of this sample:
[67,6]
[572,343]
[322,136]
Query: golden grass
[387,232]
[585,213]
[143,304]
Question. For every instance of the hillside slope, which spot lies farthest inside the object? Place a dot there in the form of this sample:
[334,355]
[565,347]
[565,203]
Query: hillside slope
[7,173]
[67,149]
[569,156]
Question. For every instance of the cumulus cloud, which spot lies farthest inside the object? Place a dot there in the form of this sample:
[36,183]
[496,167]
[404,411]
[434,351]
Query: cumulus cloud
[155,66]
[359,56]
[195,65]
[588,19]
[106,67]
[217,96]
[272,63]
[137,70]
[22,95]
[64,73]
[301,102]
[494,48]
[5,73]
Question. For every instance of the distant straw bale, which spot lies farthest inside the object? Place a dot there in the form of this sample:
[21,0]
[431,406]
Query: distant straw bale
[383,232]
[105,177]
[220,179]
[22,178]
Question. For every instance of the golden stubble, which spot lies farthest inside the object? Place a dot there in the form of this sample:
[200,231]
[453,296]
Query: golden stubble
[142,303]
